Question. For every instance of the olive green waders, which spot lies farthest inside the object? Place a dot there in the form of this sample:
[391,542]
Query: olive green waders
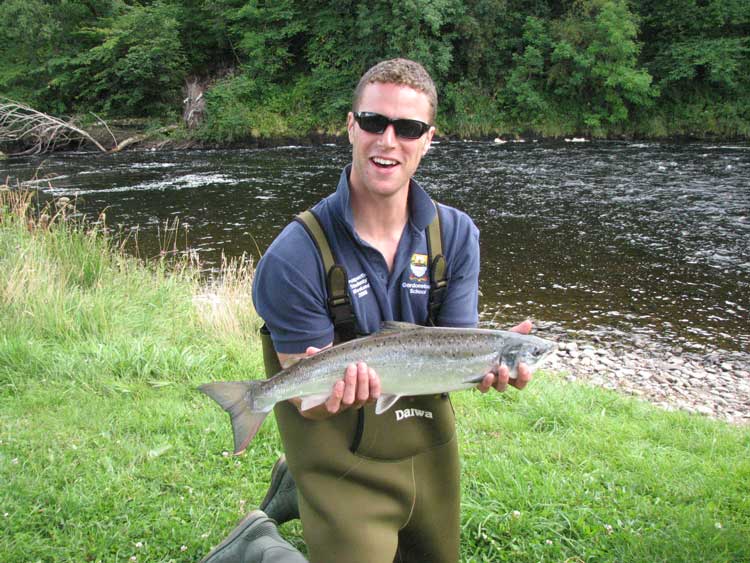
[374,488]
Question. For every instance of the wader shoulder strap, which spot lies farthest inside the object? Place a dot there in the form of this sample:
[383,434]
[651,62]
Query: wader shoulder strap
[339,306]
[438,268]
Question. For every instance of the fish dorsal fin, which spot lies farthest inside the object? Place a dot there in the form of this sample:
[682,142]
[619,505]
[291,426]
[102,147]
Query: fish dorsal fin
[398,326]
[385,402]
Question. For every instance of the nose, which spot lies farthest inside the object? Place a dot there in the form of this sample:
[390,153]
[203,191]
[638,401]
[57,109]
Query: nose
[388,137]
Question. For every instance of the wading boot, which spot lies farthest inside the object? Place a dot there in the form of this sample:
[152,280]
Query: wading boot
[280,502]
[254,540]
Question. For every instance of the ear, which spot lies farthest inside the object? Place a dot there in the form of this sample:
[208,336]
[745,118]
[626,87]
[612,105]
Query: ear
[428,140]
[350,127]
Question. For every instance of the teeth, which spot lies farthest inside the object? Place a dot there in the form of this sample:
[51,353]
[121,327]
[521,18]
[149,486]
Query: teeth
[384,161]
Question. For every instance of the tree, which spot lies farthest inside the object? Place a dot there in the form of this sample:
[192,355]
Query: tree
[594,69]
[526,96]
[699,54]
[136,67]
[579,70]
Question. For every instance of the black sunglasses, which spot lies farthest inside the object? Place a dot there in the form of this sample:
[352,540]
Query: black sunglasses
[376,123]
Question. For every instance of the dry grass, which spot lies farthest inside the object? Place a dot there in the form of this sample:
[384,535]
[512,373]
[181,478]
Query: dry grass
[224,302]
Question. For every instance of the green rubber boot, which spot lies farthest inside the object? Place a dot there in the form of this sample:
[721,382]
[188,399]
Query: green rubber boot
[280,502]
[254,540]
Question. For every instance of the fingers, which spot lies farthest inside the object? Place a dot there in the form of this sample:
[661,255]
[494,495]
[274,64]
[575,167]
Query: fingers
[499,378]
[523,328]
[523,377]
[374,381]
[502,378]
[359,385]
[351,379]
[486,383]
[333,403]
[363,384]
[312,350]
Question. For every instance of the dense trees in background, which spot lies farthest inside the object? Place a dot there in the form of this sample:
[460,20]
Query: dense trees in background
[287,67]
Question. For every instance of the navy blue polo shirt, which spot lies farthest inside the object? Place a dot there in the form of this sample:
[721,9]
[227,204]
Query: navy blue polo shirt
[289,291]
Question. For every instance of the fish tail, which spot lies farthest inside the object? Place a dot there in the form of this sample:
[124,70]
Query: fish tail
[235,397]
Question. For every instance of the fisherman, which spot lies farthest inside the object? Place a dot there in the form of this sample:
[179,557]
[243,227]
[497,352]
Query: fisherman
[368,488]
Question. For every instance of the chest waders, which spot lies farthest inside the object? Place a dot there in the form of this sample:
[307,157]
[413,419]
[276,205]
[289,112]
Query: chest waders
[374,488]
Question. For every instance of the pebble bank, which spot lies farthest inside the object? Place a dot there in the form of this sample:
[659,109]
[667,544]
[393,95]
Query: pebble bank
[715,384]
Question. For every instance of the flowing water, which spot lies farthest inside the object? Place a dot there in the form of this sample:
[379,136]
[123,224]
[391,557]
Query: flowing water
[610,240]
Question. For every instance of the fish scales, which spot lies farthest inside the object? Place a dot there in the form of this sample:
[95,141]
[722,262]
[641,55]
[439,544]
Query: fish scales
[409,360]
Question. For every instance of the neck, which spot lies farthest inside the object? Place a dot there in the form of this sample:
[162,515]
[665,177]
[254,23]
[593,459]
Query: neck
[379,217]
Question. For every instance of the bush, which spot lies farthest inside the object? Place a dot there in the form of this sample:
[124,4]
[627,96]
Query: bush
[136,68]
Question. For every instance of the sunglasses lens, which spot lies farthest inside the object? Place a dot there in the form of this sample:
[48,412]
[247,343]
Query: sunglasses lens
[408,128]
[373,122]
[376,123]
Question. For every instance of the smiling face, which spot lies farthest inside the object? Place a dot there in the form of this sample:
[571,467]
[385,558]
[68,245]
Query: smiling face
[383,164]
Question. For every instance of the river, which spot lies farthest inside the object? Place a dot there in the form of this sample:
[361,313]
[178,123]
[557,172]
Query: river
[611,241]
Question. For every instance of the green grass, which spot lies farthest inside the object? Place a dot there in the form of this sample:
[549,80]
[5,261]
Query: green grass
[108,452]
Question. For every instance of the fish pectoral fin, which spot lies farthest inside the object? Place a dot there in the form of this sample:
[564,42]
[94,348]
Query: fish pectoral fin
[385,402]
[312,401]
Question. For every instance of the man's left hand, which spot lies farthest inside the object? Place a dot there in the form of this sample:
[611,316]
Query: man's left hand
[499,376]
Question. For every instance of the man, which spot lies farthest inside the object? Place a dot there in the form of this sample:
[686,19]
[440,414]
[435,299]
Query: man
[370,488]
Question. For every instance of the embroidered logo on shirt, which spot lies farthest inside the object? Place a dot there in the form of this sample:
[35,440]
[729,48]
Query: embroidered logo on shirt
[418,267]
[359,285]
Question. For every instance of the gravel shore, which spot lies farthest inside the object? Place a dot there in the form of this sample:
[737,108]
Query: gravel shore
[715,384]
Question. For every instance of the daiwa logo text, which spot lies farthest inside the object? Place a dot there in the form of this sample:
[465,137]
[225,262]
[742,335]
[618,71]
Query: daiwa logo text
[401,414]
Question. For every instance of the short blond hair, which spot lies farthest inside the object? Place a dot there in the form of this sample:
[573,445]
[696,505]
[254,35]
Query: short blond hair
[401,72]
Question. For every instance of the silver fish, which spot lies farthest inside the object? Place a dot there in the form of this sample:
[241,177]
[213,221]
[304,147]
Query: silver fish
[409,359]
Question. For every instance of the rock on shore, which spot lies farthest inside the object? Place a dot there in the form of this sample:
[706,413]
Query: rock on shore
[715,384]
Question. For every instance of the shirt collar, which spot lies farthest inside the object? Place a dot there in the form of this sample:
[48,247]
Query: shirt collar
[421,207]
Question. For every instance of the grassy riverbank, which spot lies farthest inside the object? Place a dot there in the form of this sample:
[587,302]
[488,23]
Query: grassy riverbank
[108,453]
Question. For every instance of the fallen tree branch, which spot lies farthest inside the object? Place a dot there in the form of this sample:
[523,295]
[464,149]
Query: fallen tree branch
[19,122]
[140,138]
[105,126]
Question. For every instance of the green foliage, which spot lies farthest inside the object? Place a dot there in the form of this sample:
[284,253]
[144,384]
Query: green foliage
[136,67]
[229,115]
[240,108]
[468,109]
[24,57]
[266,34]
[525,96]
[203,36]
[580,71]
[594,60]
[416,29]
[716,61]
[698,54]
[599,67]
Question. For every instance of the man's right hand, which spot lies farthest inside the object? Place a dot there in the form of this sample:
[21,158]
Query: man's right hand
[359,386]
